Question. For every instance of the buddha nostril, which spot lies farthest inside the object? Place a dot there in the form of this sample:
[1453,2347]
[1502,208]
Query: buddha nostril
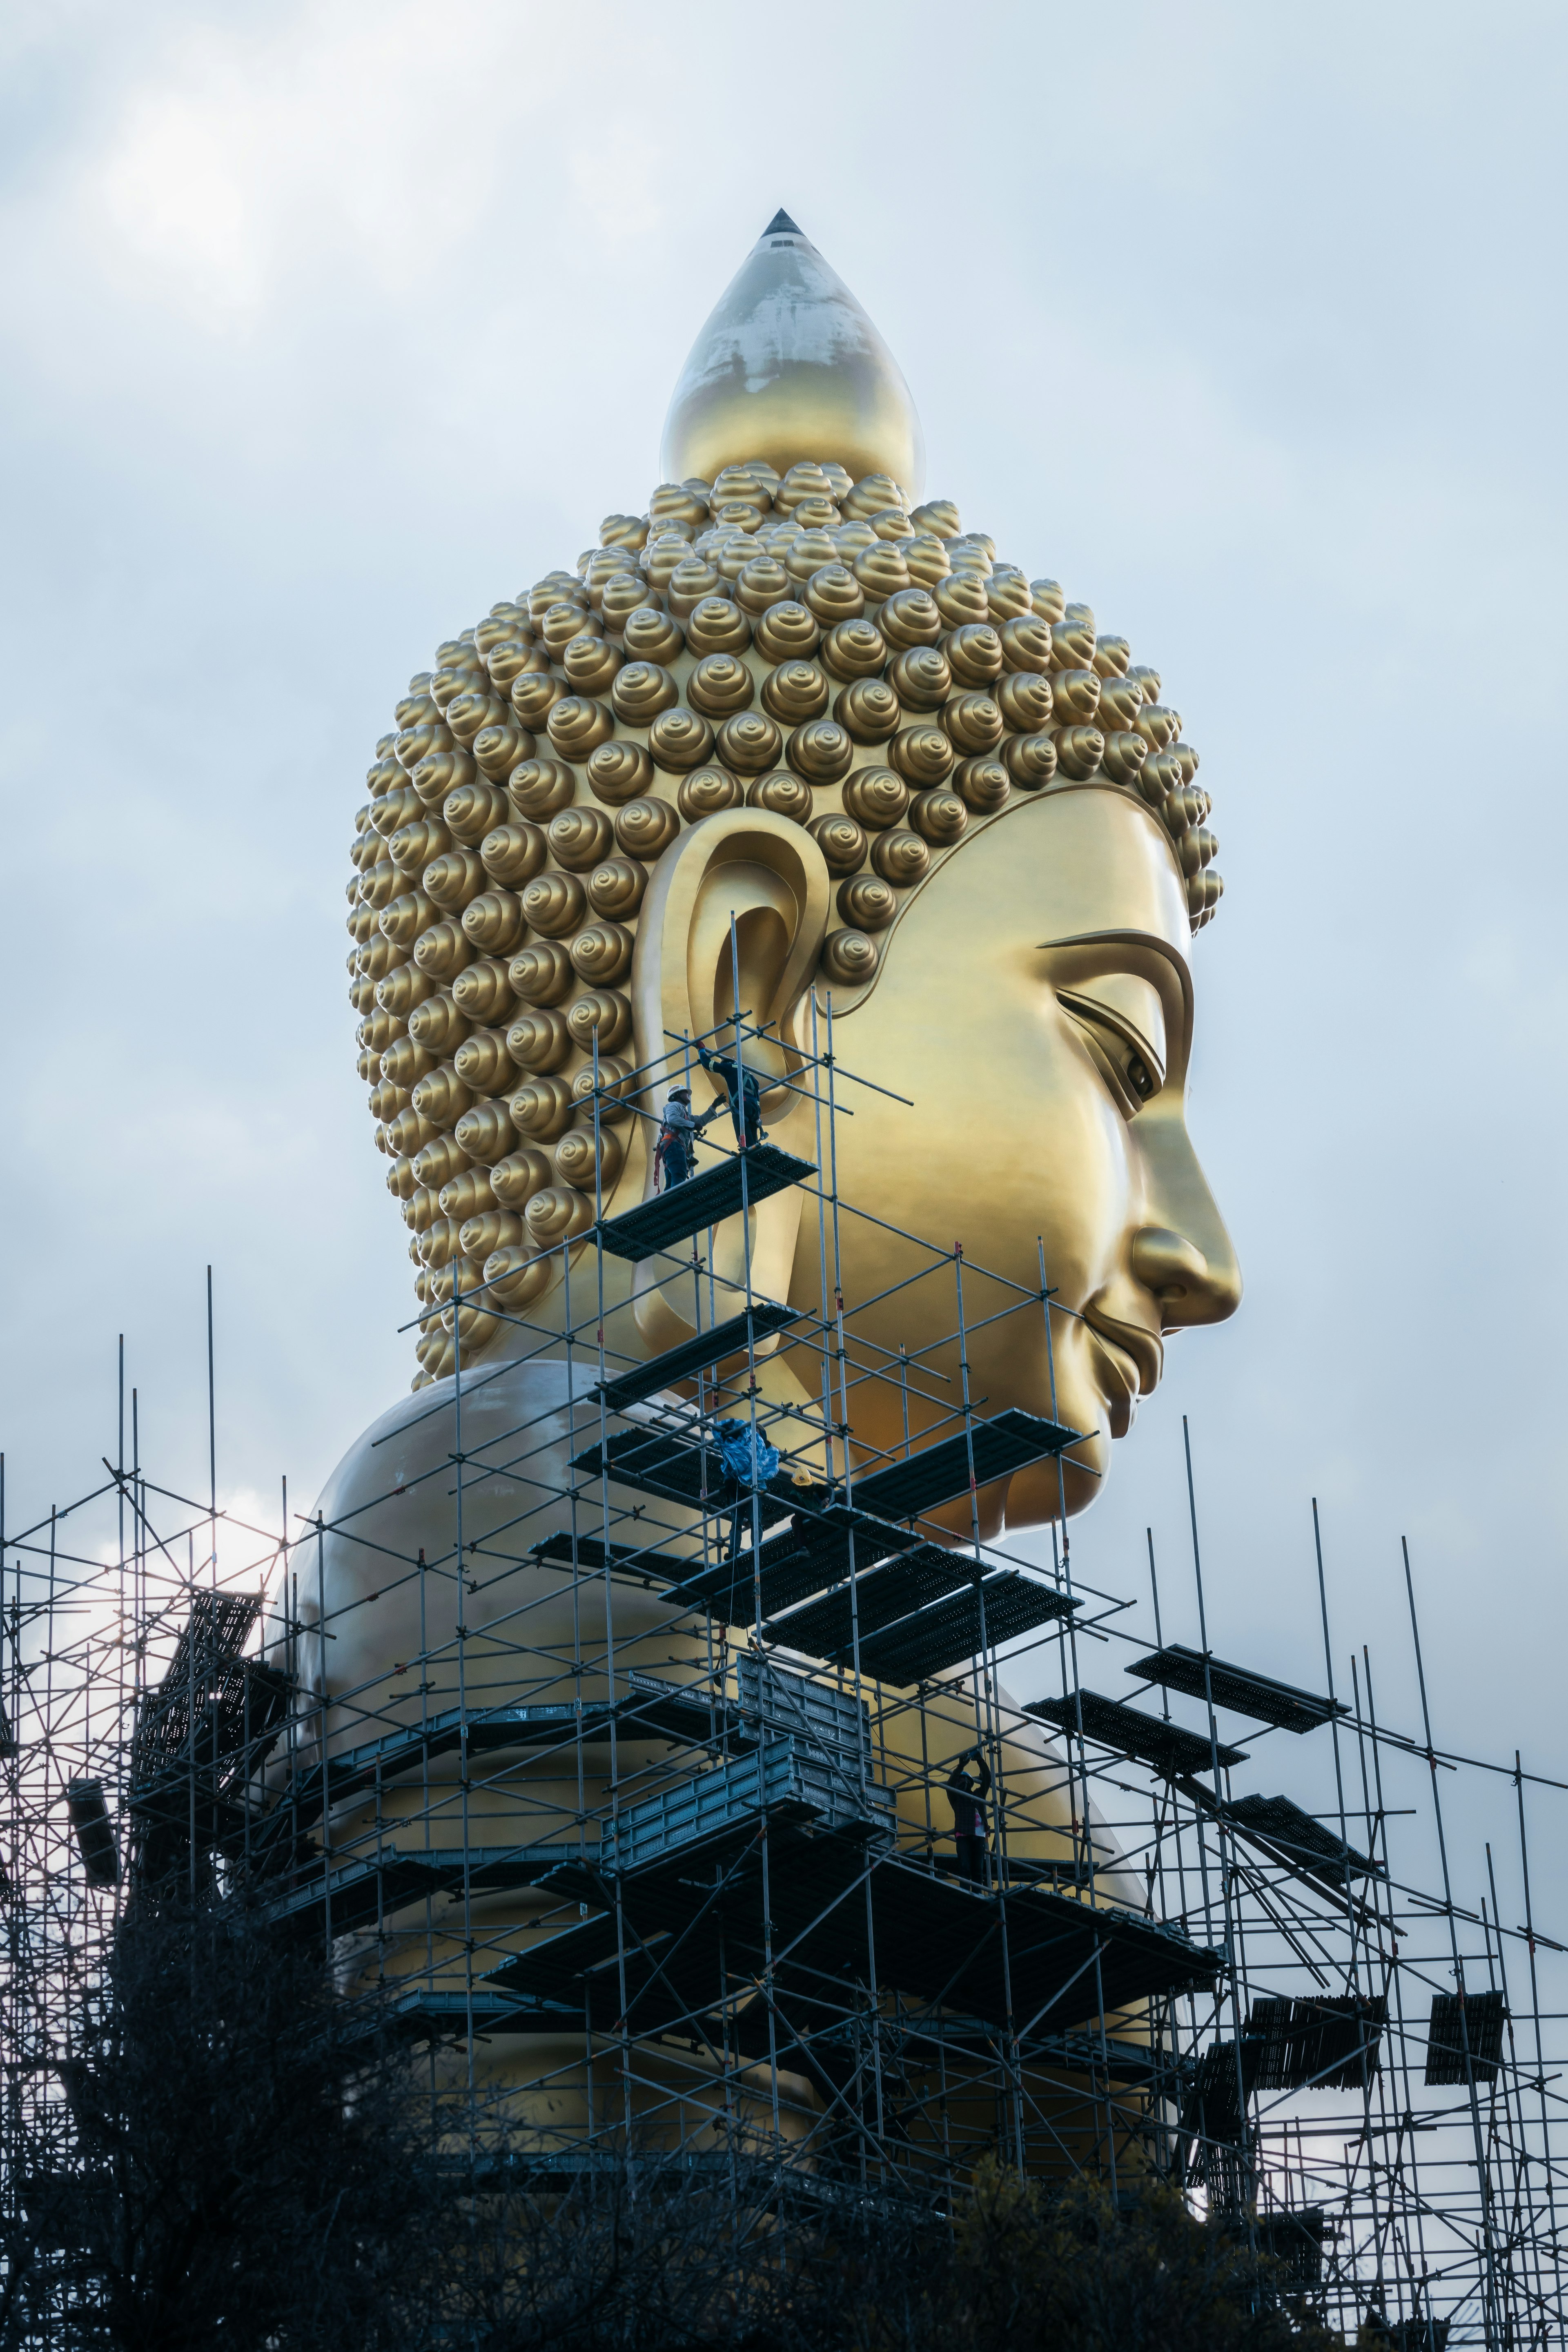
[1167,1263]
[1192,1287]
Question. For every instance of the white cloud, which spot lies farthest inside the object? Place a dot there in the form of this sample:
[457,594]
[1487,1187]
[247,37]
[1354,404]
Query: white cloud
[174,194]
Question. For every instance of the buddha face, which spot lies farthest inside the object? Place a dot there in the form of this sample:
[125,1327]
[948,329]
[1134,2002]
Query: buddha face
[1036,1005]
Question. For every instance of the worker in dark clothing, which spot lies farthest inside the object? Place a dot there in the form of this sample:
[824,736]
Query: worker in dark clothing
[743,1089]
[675,1153]
[967,1799]
[748,1464]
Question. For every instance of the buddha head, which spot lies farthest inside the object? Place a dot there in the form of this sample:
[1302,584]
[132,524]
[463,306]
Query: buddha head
[792,744]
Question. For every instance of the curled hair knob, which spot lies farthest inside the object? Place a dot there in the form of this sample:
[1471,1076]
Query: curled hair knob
[554,904]
[542,1109]
[539,788]
[538,1039]
[781,794]
[616,888]
[579,725]
[679,739]
[706,792]
[645,828]
[869,710]
[718,626]
[939,817]
[850,958]
[821,752]
[602,951]
[751,742]
[984,783]
[868,903]
[876,798]
[900,857]
[579,837]
[524,1170]
[1079,751]
[619,771]
[557,1214]
[602,1012]
[720,685]
[841,841]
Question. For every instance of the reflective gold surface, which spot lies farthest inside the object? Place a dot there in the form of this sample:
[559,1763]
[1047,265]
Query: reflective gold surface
[789,368]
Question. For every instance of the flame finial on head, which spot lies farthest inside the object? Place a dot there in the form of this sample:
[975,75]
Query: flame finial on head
[790,367]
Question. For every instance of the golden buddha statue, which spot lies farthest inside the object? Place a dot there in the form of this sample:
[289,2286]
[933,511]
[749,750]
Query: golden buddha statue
[790,742]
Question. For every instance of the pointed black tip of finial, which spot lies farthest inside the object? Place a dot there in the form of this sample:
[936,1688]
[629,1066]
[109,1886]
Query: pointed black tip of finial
[781,224]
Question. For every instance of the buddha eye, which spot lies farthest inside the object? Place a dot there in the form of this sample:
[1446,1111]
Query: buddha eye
[1128,1078]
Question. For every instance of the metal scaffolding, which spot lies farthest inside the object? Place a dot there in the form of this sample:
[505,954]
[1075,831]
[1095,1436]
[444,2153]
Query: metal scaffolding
[709,1901]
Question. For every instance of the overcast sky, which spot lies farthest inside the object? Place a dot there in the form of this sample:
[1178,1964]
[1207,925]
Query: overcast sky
[326,326]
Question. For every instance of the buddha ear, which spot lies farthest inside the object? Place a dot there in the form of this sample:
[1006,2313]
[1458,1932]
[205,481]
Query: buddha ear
[745,897]
[744,889]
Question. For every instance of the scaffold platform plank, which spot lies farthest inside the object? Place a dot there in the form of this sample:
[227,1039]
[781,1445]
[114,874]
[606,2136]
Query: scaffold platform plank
[882,1598]
[1166,1746]
[1133,2063]
[679,1469]
[404,1750]
[727,1590]
[1301,1843]
[357,1893]
[1291,2241]
[1176,1667]
[662,1709]
[1464,2037]
[707,1200]
[190,1764]
[1223,2085]
[696,1355]
[436,2012]
[723,1588]
[836,1537]
[1325,2042]
[816,1550]
[955,1631]
[684,1712]
[643,1563]
[1064,1961]
[93,1831]
[902,1490]
[554,2168]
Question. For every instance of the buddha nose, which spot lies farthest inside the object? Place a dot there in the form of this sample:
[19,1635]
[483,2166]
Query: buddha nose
[1189,1286]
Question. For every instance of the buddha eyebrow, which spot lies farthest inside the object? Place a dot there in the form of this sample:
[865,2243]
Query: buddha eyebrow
[1145,939]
